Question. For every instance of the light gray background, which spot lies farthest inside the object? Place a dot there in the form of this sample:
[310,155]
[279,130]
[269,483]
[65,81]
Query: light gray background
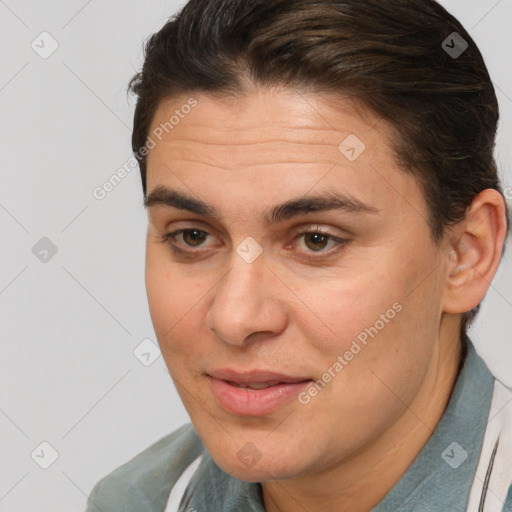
[69,326]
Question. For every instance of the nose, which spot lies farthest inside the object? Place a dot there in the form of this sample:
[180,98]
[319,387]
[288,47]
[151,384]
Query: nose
[248,303]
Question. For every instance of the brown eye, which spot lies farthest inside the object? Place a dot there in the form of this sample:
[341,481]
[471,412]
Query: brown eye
[316,241]
[190,238]
[194,237]
[314,244]
[313,241]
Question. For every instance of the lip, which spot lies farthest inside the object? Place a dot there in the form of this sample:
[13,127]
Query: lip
[258,402]
[254,376]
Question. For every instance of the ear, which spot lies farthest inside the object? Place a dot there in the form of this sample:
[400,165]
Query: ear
[474,251]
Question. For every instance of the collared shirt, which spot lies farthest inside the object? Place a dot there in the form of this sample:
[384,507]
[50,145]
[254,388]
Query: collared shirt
[439,479]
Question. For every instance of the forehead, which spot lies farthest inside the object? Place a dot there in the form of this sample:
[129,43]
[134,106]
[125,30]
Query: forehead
[272,125]
[286,114]
[275,142]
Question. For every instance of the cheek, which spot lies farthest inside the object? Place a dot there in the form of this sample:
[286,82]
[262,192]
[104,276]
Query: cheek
[161,296]
[387,324]
[373,319]
[346,307]
[171,297]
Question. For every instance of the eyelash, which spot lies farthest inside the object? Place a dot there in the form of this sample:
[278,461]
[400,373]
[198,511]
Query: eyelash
[168,238]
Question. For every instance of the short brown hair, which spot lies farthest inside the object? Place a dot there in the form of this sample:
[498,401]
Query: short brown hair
[387,55]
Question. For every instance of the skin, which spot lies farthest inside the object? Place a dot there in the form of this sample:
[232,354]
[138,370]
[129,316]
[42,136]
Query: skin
[243,155]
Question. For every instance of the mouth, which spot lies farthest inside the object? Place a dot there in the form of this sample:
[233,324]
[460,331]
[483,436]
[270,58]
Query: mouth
[254,393]
[253,385]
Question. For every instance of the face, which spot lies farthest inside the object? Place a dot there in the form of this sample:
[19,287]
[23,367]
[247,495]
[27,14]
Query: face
[282,253]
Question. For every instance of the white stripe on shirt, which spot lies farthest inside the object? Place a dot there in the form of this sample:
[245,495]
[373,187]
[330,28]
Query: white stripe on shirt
[180,486]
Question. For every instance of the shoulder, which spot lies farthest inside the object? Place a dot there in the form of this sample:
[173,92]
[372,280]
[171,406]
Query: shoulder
[144,482]
[492,486]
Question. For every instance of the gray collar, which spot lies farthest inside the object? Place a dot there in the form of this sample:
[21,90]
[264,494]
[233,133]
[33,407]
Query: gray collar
[441,476]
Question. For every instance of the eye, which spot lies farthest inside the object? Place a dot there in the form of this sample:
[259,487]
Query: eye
[315,241]
[191,237]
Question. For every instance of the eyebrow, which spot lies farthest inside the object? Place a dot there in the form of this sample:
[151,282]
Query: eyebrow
[163,196]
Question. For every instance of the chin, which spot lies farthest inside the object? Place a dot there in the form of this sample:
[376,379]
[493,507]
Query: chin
[249,475]
[255,470]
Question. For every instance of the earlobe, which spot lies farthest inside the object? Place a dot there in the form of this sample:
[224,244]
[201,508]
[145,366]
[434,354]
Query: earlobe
[475,252]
